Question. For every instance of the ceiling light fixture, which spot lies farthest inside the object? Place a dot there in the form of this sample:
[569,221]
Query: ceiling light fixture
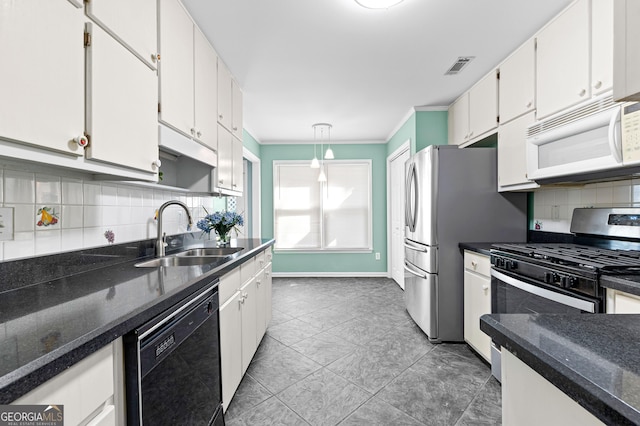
[378,4]
[328,155]
[315,163]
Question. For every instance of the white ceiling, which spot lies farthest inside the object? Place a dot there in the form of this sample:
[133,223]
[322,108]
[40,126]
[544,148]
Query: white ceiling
[301,62]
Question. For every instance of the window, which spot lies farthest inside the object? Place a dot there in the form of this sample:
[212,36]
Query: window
[332,215]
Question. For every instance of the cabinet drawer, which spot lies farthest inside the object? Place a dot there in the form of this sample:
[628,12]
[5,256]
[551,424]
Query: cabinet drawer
[247,270]
[478,263]
[228,285]
[261,261]
[268,255]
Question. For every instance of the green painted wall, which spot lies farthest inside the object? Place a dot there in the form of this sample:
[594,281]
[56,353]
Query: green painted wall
[250,143]
[431,129]
[330,262]
[406,132]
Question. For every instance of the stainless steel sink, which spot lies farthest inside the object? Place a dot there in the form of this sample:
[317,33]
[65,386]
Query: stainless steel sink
[211,252]
[177,261]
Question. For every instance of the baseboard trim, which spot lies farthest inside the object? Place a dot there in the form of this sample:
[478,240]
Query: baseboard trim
[330,274]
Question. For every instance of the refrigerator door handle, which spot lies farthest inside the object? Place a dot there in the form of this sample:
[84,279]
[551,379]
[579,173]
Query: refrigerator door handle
[411,202]
[416,248]
[414,272]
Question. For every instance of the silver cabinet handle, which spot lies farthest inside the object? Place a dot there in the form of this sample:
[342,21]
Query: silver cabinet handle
[598,84]
[582,92]
[199,133]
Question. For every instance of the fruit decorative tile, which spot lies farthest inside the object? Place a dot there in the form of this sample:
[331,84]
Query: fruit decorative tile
[47,216]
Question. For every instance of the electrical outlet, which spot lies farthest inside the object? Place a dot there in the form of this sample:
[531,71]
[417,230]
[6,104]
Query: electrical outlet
[377,256]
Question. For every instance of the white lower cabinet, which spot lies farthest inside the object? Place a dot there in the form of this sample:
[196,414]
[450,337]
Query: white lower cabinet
[528,399]
[619,302]
[477,301]
[91,391]
[245,312]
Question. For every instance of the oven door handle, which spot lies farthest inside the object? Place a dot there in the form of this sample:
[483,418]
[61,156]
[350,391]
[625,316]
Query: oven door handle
[412,271]
[574,302]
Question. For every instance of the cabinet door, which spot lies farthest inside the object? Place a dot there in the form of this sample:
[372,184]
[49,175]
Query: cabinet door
[42,77]
[512,158]
[133,23]
[601,46]
[237,180]
[622,303]
[269,294]
[236,116]
[122,94]
[483,106]
[459,120]
[231,346]
[477,302]
[249,331]
[225,158]
[563,61]
[176,67]
[225,96]
[206,93]
[517,83]
[261,306]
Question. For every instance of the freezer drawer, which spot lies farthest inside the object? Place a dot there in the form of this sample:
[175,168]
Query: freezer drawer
[423,256]
[420,293]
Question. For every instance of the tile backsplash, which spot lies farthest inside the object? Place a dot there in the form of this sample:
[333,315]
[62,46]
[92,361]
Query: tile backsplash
[553,207]
[59,211]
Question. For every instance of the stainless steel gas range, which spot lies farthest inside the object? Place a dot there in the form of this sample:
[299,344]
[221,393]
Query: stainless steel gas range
[565,277]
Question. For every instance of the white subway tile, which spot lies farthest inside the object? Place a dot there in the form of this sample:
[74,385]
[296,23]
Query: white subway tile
[147,198]
[48,189]
[140,215]
[109,195]
[93,237]
[136,197]
[573,196]
[72,192]
[124,215]
[561,197]
[19,187]
[604,195]
[588,197]
[23,245]
[124,196]
[92,216]
[621,195]
[24,218]
[71,217]
[1,251]
[110,215]
[71,239]
[92,193]
[1,189]
[48,242]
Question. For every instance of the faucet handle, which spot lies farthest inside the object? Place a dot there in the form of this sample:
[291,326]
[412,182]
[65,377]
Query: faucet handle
[164,239]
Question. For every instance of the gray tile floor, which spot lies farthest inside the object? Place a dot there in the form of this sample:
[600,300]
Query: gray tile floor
[344,351]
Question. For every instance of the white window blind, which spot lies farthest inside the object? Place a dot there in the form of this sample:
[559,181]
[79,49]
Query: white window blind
[331,215]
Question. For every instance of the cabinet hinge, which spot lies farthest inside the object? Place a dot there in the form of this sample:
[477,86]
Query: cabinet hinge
[159,109]
[87,39]
[88,136]
[498,75]
[498,119]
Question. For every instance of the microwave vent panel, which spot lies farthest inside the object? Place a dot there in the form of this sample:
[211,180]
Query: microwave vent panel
[575,114]
[459,64]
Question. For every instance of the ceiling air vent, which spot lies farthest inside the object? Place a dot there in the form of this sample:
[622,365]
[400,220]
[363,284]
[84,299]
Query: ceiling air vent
[459,64]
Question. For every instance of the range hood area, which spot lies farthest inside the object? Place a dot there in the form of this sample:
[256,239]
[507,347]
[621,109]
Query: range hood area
[187,164]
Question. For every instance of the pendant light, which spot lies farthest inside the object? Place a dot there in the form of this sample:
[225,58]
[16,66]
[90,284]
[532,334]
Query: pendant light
[378,4]
[329,154]
[315,163]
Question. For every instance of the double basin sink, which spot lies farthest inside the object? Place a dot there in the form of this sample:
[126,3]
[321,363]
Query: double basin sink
[191,257]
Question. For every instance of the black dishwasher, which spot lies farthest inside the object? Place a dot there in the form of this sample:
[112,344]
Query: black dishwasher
[173,365]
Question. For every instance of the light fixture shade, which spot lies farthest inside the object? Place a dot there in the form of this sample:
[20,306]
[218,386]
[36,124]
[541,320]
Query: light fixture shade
[315,164]
[329,154]
[322,177]
[378,4]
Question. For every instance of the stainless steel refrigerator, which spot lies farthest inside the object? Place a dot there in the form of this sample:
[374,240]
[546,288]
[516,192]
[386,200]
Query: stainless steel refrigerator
[451,197]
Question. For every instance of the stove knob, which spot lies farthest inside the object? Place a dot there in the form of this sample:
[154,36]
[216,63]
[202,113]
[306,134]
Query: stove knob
[548,277]
[499,262]
[511,265]
[564,282]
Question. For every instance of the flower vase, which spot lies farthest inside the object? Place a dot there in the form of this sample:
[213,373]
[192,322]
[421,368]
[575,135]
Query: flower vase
[224,240]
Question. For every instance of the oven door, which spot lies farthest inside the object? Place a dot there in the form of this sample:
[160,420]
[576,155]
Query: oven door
[512,295]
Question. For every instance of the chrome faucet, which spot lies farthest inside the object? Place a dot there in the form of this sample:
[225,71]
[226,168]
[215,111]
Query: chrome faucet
[160,241]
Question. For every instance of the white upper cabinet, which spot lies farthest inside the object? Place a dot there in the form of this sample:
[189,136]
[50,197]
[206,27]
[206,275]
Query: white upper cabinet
[601,46]
[176,67]
[225,96]
[518,83]
[42,77]
[563,60]
[237,180]
[512,156]
[626,47]
[459,120]
[133,23]
[205,93]
[483,106]
[225,159]
[236,118]
[121,99]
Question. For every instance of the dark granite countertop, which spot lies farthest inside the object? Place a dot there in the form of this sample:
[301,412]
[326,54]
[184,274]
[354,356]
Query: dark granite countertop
[48,325]
[482,248]
[593,358]
[626,283]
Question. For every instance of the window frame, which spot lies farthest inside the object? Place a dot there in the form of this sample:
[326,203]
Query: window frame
[323,248]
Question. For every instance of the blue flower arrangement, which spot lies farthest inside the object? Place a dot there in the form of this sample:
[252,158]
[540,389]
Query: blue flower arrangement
[221,222]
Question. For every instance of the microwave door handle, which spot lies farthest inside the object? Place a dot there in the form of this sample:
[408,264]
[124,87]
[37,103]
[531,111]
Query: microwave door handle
[615,143]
